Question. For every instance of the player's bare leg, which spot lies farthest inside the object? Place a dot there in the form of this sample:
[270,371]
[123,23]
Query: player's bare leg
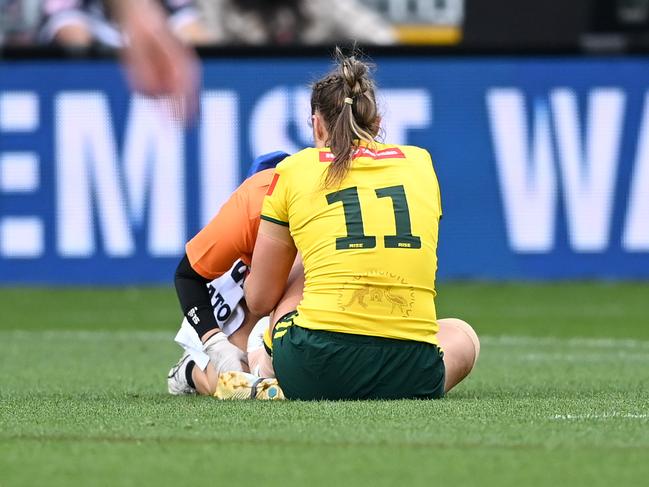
[292,294]
[260,362]
[206,380]
[261,383]
[461,349]
[240,337]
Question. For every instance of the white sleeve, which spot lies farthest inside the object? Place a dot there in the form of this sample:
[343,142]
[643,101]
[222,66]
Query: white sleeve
[181,13]
[350,20]
[57,14]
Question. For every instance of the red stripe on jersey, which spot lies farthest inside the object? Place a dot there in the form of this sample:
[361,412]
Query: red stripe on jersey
[273,183]
[391,153]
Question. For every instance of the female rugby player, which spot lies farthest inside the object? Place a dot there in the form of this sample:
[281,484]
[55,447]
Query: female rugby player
[364,217]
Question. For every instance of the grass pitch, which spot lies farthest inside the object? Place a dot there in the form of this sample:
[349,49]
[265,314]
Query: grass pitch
[560,396]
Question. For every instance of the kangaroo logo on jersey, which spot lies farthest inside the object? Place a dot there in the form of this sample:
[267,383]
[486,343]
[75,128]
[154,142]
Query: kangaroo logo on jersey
[390,300]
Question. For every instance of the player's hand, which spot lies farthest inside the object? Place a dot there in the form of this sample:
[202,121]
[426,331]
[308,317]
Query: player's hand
[157,62]
[224,356]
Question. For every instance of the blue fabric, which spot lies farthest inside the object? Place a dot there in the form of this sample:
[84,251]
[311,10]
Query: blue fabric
[266,161]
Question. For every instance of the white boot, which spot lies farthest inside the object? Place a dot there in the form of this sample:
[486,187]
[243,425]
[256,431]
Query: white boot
[177,378]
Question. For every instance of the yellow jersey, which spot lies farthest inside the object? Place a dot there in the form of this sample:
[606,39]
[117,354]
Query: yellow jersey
[369,246]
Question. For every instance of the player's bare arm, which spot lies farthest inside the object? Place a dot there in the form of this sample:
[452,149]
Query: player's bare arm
[272,261]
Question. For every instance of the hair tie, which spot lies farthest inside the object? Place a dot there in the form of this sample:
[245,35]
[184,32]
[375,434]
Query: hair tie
[349,101]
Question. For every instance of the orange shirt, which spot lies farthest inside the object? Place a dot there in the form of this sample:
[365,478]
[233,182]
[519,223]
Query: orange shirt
[231,234]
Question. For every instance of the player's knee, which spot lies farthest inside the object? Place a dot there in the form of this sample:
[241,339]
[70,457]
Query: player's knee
[260,363]
[470,333]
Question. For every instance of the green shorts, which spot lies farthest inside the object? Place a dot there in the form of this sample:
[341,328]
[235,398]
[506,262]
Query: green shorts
[315,364]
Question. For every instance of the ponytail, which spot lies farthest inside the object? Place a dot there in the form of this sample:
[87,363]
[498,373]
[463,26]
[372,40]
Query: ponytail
[345,99]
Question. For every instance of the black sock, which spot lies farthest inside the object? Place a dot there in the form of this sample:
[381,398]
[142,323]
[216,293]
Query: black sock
[188,373]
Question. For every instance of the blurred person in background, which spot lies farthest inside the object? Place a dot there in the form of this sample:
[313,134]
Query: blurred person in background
[157,63]
[18,21]
[153,37]
[286,22]
[81,23]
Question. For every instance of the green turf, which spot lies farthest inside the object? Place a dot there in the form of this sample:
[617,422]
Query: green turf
[560,397]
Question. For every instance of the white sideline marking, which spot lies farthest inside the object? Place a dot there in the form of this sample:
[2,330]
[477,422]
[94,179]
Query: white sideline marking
[485,340]
[89,335]
[570,417]
[510,340]
[580,357]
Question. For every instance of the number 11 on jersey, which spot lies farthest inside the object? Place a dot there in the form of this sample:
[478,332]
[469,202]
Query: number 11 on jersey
[356,238]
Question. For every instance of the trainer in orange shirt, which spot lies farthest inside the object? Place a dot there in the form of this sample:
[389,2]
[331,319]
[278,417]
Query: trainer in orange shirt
[231,234]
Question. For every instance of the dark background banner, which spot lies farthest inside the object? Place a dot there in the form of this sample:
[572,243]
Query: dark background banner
[543,163]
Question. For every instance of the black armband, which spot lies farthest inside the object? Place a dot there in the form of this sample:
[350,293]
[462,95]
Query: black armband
[194,298]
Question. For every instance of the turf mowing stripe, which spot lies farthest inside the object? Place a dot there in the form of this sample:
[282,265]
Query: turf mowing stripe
[516,341]
[485,340]
[302,443]
[577,357]
[613,415]
[91,335]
